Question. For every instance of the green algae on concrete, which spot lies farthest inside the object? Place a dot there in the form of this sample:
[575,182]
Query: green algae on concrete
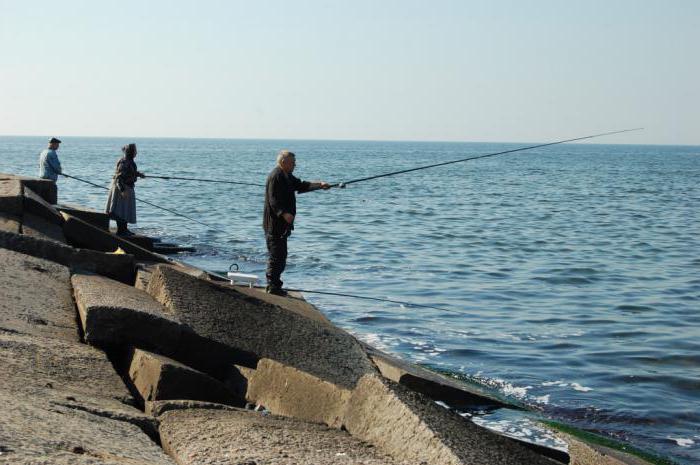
[598,440]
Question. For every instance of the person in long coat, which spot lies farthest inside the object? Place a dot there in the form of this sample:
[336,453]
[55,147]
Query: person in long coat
[121,202]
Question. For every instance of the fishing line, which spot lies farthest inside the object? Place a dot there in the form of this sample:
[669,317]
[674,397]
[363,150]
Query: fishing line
[354,296]
[149,176]
[151,204]
[343,184]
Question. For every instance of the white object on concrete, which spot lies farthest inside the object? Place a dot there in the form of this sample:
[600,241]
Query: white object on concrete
[235,276]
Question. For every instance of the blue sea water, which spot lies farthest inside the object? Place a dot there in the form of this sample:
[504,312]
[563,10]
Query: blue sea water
[569,274]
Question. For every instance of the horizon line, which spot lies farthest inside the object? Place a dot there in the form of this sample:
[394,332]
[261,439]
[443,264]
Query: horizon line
[340,140]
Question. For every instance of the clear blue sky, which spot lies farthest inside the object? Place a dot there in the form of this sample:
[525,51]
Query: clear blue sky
[390,70]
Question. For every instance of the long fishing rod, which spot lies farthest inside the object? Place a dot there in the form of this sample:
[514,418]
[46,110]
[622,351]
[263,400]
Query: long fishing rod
[149,176]
[520,149]
[151,204]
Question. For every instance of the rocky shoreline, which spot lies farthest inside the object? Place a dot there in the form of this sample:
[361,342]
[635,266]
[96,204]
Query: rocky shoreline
[134,358]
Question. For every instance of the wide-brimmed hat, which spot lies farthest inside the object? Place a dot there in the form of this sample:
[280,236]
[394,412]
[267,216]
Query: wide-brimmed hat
[53,140]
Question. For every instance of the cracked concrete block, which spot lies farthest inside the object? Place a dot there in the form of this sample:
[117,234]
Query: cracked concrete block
[222,313]
[82,234]
[145,242]
[287,391]
[207,436]
[113,314]
[159,407]
[36,226]
[119,267]
[33,364]
[143,275]
[293,302]
[10,223]
[67,373]
[36,297]
[159,378]
[11,198]
[437,387]
[36,205]
[36,430]
[44,187]
[411,427]
[96,218]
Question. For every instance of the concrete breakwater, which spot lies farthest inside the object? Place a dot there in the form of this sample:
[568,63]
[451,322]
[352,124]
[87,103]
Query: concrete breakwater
[135,358]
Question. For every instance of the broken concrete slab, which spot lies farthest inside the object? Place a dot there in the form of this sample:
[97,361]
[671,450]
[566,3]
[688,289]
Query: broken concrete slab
[225,315]
[145,242]
[119,267]
[411,427]
[36,430]
[35,362]
[36,297]
[10,223]
[44,187]
[67,373]
[294,302]
[437,387]
[159,407]
[145,270]
[82,234]
[36,226]
[113,314]
[36,205]
[290,392]
[143,275]
[159,378]
[93,217]
[11,197]
[207,436]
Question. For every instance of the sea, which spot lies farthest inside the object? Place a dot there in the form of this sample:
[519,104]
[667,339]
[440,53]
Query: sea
[566,278]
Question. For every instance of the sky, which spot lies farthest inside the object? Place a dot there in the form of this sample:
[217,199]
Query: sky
[439,70]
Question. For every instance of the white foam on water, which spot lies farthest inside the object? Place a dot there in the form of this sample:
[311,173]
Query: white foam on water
[542,399]
[516,391]
[578,387]
[375,340]
[523,429]
[442,404]
[559,383]
[683,442]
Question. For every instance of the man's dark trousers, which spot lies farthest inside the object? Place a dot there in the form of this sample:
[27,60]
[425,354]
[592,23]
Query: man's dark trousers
[277,259]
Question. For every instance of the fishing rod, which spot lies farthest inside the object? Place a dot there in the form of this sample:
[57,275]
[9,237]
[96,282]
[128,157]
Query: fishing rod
[204,180]
[151,204]
[520,149]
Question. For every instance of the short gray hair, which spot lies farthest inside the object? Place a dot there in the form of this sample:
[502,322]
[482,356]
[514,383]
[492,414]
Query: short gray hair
[283,155]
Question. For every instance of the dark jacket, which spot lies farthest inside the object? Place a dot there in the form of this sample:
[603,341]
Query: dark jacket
[126,172]
[280,199]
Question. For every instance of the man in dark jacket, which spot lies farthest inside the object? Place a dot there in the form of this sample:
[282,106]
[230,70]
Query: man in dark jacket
[278,217]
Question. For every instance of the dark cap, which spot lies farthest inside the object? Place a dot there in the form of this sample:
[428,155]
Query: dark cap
[53,140]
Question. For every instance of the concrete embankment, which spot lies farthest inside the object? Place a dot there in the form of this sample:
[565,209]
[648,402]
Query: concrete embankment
[137,359]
